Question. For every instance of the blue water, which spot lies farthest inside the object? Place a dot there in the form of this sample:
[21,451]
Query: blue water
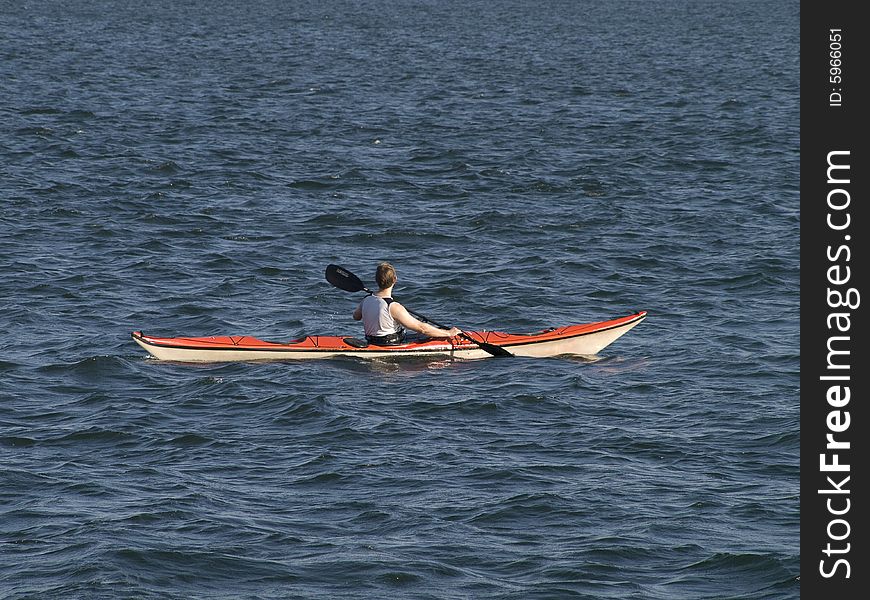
[190,169]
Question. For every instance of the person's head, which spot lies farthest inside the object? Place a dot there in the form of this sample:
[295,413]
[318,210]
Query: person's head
[385,275]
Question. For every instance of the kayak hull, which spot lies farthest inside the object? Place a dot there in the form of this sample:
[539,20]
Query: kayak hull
[586,340]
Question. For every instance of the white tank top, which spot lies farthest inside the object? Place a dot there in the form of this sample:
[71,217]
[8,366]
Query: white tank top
[376,317]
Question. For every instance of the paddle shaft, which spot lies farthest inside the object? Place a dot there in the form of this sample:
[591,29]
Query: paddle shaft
[427,319]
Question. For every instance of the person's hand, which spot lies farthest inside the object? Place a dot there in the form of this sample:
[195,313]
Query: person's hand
[454,331]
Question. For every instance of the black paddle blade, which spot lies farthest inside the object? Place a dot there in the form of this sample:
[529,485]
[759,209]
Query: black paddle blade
[343,279]
[491,348]
[496,350]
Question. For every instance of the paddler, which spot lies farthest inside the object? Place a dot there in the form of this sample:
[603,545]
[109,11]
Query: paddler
[385,320]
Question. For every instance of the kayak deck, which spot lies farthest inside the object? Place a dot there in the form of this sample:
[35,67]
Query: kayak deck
[586,339]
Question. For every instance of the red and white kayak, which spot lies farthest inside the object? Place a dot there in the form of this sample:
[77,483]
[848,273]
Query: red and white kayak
[587,339]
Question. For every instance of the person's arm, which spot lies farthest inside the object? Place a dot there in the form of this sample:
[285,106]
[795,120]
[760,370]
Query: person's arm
[401,314]
[357,314]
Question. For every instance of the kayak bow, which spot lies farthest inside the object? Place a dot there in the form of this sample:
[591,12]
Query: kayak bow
[587,339]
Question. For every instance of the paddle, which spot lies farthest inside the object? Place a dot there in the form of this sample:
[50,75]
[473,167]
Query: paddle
[347,281]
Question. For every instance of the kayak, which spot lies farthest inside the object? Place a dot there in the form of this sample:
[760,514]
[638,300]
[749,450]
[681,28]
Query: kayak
[587,339]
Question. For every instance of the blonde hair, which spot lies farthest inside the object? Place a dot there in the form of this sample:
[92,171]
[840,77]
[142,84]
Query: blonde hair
[385,275]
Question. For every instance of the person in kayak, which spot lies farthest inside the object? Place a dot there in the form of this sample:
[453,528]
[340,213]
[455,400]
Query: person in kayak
[384,319]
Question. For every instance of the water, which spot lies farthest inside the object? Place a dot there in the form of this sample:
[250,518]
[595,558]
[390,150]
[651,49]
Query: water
[191,170]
